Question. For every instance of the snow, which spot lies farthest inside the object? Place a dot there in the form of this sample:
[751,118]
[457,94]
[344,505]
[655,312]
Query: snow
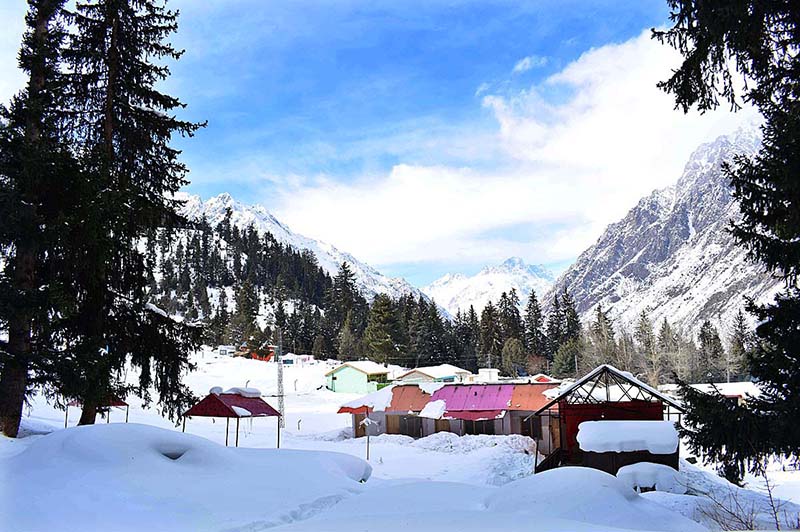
[430,387]
[216,390]
[244,392]
[457,292]
[648,475]
[120,477]
[657,437]
[434,409]
[242,412]
[136,477]
[377,401]
[367,366]
[438,372]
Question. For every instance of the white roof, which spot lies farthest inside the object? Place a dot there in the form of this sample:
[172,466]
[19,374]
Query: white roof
[438,372]
[364,366]
[728,389]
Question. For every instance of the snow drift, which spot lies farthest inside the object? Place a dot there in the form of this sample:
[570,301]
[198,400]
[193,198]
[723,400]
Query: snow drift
[137,477]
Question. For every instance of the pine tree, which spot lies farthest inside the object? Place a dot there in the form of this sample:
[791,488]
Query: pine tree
[756,40]
[36,174]
[736,361]
[509,318]
[651,356]
[572,322]
[567,359]
[555,327]
[603,345]
[535,339]
[382,332]
[242,324]
[513,358]
[491,337]
[348,342]
[711,354]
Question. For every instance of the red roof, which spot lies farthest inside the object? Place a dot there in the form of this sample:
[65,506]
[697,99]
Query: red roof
[530,396]
[221,405]
[408,399]
[114,401]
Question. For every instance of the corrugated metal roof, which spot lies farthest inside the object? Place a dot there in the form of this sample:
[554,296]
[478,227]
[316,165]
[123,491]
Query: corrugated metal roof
[475,396]
[529,396]
[221,405]
[408,399]
[475,415]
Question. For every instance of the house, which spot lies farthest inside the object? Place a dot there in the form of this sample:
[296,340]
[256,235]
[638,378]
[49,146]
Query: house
[291,359]
[226,350]
[362,376]
[737,391]
[440,373]
[590,410]
[422,409]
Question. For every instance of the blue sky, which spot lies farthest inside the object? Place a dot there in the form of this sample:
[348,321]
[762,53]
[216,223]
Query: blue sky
[429,137]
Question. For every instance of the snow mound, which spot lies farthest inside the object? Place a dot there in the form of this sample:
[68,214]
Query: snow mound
[216,390]
[588,495]
[136,477]
[448,442]
[244,392]
[648,475]
[657,437]
[561,500]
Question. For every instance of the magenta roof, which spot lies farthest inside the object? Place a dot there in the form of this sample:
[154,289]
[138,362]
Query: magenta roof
[475,396]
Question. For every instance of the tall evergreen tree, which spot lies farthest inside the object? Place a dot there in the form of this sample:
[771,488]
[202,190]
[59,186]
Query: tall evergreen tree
[513,358]
[491,337]
[758,40]
[130,174]
[647,344]
[35,170]
[736,359]
[348,341]
[242,325]
[711,354]
[535,338]
[509,317]
[555,327]
[383,331]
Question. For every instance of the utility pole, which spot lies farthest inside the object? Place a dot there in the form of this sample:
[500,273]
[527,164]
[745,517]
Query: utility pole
[281,422]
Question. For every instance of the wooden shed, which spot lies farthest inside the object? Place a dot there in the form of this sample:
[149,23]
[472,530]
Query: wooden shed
[606,393]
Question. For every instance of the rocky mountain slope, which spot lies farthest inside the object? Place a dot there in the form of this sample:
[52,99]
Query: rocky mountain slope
[457,291]
[671,255]
[369,281]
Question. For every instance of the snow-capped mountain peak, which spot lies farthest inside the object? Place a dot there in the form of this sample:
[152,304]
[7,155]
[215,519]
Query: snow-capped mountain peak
[672,256]
[455,291]
[369,281]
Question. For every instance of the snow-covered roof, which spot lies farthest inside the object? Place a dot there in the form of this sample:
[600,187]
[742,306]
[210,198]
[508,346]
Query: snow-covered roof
[657,437]
[377,401]
[438,372]
[364,366]
[728,389]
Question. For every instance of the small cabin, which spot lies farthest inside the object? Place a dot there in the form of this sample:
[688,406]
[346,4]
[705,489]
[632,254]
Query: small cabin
[362,376]
[604,395]
[440,373]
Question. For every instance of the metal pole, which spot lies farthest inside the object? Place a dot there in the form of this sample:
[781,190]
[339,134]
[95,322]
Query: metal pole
[367,444]
[66,416]
[227,424]
[279,433]
[184,424]
[237,432]
[281,421]
[127,411]
[108,415]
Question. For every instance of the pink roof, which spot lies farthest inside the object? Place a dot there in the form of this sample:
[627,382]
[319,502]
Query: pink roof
[475,396]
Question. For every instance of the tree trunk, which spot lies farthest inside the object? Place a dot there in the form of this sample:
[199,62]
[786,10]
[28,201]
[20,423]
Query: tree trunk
[13,383]
[88,414]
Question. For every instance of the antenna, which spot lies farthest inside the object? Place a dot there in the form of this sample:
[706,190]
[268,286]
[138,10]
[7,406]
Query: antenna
[281,421]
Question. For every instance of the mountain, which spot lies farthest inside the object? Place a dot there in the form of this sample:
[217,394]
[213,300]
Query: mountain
[457,291]
[369,281]
[671,255]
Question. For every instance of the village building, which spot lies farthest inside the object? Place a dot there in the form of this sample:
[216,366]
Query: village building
[422,409]
[736,391]
[440,373]
[593,421]
[362,376]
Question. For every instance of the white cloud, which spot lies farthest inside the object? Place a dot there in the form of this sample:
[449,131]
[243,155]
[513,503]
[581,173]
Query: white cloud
[529,62]
[579,150]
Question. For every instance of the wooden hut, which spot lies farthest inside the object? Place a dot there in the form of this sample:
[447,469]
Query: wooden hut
[236,403]
[606,393]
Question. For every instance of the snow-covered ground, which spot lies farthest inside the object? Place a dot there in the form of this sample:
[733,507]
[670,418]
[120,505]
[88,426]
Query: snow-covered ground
[137,477]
